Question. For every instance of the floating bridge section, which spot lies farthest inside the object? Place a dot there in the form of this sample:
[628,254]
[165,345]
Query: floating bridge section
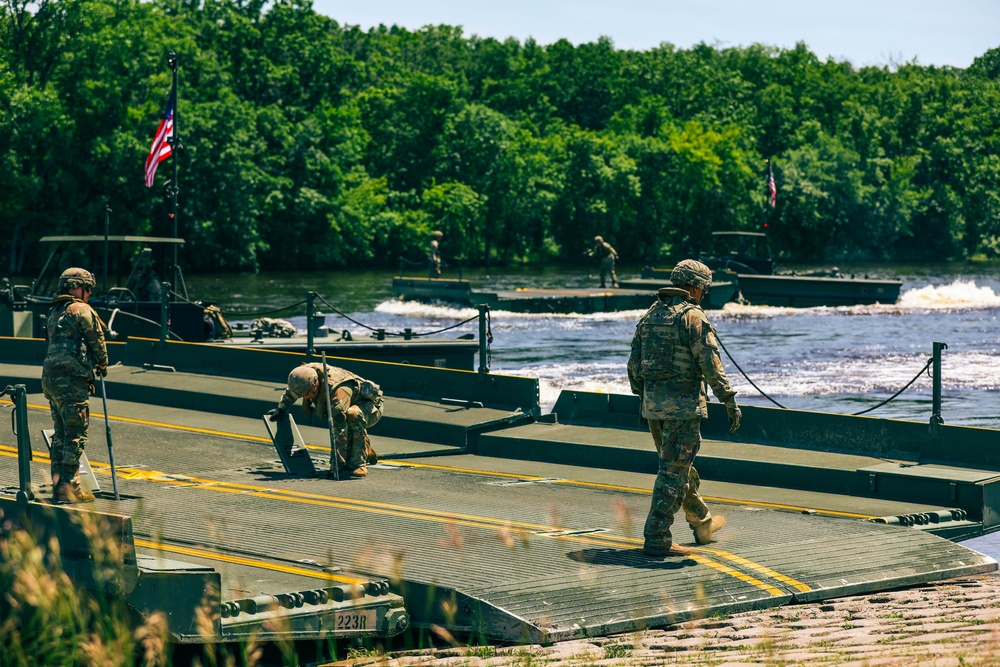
[497,522]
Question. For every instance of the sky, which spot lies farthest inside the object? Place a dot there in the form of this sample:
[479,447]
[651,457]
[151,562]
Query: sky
[864,32]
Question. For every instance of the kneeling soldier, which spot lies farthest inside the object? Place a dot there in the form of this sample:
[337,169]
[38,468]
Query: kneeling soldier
[356,404]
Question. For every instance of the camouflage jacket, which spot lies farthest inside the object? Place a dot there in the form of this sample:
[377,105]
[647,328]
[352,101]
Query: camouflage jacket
[355,387]
[76,339]
[674,352]
[603,250]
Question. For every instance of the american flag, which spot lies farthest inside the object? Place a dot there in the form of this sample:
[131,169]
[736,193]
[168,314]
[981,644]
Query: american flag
[772,189]
[161,148]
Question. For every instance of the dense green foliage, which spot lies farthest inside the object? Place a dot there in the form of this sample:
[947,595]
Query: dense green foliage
[308,144]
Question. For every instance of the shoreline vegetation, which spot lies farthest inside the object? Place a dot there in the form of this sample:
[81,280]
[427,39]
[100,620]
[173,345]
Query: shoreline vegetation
[308,144]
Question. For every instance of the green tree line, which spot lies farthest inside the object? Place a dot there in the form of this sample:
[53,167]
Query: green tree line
[309,144]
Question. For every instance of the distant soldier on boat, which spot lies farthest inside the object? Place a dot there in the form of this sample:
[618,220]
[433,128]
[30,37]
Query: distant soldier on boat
[674,352]
[356,405]
[76,353]
[434,256]
[603,251]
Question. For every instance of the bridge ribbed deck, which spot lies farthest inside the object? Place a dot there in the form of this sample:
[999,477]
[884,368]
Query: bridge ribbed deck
[494,554]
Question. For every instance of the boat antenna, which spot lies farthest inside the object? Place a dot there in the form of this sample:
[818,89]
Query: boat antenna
[175,145]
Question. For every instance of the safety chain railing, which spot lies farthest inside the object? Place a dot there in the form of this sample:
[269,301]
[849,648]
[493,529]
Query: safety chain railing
[934,360]
[485,326]
[404,334]
[19,397]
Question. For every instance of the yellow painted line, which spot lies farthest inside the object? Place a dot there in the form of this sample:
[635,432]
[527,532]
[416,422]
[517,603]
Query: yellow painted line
[798,585]
[474,471]
[698,555]
[616,487]
[175,427]
[240,560]
[454,519]
[188,429]
[465,520]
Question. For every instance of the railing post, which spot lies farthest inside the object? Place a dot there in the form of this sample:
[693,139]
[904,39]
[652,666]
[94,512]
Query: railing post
[936,419]
[164,313]
[18,394]
[310,311]
[483,367]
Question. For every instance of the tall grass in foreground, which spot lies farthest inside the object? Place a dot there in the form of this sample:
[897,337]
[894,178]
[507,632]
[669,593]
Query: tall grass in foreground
[47,618]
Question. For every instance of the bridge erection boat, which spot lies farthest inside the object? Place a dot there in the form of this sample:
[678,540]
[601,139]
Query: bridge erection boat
[495,521]
[743,258]
[635,294]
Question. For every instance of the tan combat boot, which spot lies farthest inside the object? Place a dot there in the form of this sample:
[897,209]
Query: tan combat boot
[709,526]
[72,492]
[662,552]
[360,471]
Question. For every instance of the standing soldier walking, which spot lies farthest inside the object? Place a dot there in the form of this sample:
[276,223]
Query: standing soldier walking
[674,352]
[76,352]
[604,252]
[434,256]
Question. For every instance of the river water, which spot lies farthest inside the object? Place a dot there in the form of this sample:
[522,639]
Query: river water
[841,360]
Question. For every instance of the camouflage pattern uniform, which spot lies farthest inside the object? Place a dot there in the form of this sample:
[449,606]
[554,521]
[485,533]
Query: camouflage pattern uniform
[357,406]
[673,353]
[76,348]
[603,250]
[434,256]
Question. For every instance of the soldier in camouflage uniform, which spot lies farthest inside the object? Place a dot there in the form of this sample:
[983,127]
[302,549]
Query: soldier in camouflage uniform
[603,251]
[76,352]
[356,404]
[674,352]
[434,256]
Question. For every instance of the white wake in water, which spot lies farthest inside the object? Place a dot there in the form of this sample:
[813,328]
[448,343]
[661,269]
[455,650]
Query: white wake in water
[446,312]
[955,296]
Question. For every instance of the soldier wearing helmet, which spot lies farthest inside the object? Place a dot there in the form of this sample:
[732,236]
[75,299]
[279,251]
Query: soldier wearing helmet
[603,251]
[356,404]
[674,353]
[76,352]
[434,256]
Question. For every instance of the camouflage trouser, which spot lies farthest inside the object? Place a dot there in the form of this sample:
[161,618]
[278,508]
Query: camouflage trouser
[677,443]
[69,404]
[352,438]
[608,271]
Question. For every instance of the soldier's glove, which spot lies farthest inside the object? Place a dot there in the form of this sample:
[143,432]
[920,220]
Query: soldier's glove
[735,416]
[275,414]
[103,370]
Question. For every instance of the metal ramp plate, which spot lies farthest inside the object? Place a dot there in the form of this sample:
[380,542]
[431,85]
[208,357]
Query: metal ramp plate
[87,478]
[291,446]
[508,557]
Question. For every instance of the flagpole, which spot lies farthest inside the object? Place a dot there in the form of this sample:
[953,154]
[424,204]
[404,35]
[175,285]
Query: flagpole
[174,148]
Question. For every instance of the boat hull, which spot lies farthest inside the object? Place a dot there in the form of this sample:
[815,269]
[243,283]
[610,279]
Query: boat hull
[808,292]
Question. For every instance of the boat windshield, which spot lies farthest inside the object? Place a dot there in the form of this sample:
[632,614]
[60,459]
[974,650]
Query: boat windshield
[130,261]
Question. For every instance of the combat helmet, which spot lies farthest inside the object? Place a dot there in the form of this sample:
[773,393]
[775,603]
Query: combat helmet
[438,235]
[302,380]
[598,239]
[75,277]
[690,272]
